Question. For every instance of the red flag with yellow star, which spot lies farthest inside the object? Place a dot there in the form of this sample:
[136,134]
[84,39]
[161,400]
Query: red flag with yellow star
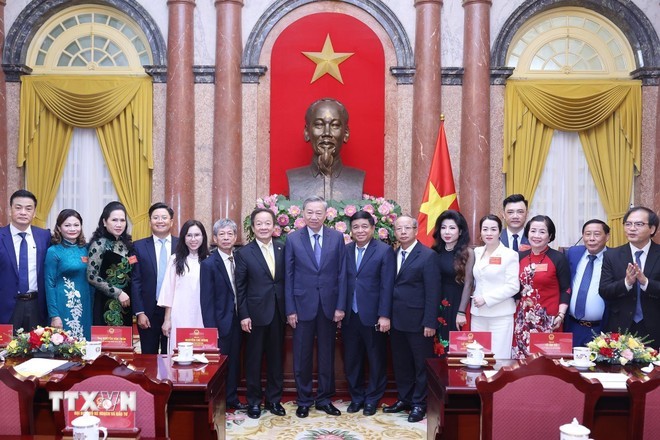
[440,193]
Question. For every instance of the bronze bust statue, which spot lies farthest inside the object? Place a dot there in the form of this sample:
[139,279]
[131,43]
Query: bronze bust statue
[326,127]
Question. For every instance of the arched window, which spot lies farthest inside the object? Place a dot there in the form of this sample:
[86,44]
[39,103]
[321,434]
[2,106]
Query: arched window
[569,43]
[87,40]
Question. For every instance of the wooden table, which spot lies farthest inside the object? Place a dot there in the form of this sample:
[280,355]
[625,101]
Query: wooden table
[452,397]
[196,408]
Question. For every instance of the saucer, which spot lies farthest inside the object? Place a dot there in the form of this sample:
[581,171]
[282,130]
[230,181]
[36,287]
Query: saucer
[181,361]
[482,364]
[656,363]
[581,366]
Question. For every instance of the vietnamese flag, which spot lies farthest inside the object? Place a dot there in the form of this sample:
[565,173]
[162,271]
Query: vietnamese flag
[440,193]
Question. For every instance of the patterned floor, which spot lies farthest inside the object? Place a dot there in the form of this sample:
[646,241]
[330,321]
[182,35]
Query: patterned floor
[319,426]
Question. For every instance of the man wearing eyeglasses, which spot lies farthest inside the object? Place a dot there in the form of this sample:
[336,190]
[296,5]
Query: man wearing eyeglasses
[415,303]
[630,279]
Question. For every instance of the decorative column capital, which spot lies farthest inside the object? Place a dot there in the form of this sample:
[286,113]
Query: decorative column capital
[173,2]
[421,2]
[487,2]
[238,2]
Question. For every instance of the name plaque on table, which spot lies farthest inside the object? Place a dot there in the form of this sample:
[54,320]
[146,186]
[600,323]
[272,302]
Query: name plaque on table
[113,337]
[458,341]
[203,339]
[6,334]
[115,409]
[551,344]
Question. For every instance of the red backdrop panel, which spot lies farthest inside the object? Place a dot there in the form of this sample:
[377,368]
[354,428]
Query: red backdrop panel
[363,94]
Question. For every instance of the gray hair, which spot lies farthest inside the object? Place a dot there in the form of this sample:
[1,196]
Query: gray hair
[408,216]
[225,223]
[314,199]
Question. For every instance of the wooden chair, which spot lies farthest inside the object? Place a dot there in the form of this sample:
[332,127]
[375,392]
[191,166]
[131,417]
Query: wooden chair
[644,406]
[17,397]
[533,399]
[109,373]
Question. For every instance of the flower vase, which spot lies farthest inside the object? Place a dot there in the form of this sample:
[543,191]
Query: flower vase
[43,354]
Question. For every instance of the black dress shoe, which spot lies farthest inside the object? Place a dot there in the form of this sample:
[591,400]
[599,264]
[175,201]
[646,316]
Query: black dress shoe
[369,409]
[254,411]
[329,409]
[302,411]
[275,408]
[417,414]
[354,407]
[237,405]
[397,407]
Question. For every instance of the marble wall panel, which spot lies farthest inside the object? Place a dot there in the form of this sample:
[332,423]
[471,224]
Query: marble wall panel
[204,166]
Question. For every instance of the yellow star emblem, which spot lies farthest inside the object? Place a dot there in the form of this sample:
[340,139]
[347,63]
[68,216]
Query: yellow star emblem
[327,61]
[435,206]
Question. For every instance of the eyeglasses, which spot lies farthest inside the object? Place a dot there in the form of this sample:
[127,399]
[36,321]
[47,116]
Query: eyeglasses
[404,228]
[635,224]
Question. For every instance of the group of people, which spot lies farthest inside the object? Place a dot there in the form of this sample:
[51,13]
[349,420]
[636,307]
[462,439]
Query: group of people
[514,285]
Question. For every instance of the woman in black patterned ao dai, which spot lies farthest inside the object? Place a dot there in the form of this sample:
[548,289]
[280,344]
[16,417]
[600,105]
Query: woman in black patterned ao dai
[109,267]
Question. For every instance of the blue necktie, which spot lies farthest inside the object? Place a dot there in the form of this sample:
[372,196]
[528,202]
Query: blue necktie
[162,265]
[583,291]
[317,249]
[514,246]
[23,278]
[403,259]
[639,315]
[357,266]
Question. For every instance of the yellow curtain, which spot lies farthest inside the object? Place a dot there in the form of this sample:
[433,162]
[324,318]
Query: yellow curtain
[120,108]
[607,114]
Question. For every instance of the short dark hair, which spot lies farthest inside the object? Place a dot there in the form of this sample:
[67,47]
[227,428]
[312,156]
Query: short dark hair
[595,221]
[22,193]
[161,205]
[515,198]
[552,230]
[492,217]
[259,210]
[363,215]
[653,217]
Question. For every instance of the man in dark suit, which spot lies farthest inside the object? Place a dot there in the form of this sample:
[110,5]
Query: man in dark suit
[22,254]
[260,295]
[147,277]
[586,309]
[370,270]
[218,302]
[415,304]
[315,297]
[630,280]
[514,208]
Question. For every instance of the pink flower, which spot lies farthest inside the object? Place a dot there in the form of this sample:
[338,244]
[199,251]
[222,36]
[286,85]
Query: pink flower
[368,208]
[349,210]
[347,239]
[331,213]
[385,208]
[57,339]
[274,208]
[278,231]
[383,233]
[283,219]
[38,331]
[628,354]
[287,229]
[294,210]
[299,223]
[391,218]
[341,226]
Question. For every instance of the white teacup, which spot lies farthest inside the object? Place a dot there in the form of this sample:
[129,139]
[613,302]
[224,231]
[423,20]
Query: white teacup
[92,350]
[583,356]
[185,351]
[475,354]
[574,431]
[87,427]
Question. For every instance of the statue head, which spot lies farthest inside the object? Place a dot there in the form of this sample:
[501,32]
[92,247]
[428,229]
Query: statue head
[326,127]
